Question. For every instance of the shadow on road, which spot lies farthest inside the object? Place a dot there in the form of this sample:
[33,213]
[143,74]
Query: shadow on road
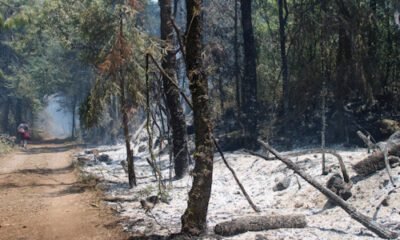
[47,171]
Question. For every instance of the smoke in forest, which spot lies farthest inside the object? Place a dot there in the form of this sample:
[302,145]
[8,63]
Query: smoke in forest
[55,121]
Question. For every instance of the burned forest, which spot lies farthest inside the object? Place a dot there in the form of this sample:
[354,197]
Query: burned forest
[200,119]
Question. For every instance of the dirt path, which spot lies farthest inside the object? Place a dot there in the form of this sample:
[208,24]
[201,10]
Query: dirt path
[41,198]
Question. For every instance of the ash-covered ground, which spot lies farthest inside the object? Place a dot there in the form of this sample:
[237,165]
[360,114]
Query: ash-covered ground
[259,177]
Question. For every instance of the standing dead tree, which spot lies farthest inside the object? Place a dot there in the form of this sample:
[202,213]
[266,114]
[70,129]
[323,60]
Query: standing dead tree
[359,217]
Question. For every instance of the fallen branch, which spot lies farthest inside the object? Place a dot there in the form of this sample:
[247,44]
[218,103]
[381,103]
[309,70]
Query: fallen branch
[383,201]
[120,199]
[255,208]
[361,218]
[259,223]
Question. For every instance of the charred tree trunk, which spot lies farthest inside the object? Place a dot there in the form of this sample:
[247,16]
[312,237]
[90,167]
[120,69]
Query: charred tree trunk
[18,113]
[6,112]
[125,119]
[177,118]
[249,84]
[344,71]
[283,13]
[194,218]
[237,67]
[125,125]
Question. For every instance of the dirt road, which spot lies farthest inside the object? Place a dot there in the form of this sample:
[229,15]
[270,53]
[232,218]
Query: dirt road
[41,198]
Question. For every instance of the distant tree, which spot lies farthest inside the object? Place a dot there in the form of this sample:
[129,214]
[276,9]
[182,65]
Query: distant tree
[249,83]
[194,219]
[177,118]
[283,15]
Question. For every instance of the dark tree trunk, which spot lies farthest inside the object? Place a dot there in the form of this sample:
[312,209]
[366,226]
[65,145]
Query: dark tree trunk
[125,125]
[73,109]
[6,112]
[125,122]
[177,118]
[18,113]
[237,67]
[194,218]
[282,6]
[343,84]
[249,84]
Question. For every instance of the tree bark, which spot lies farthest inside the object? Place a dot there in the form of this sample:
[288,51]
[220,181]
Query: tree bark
[6,112]
[177,118]
[249,84]
[194,218]
[236,66]
[282,6]
[125,121]
[259,223]
[359,217]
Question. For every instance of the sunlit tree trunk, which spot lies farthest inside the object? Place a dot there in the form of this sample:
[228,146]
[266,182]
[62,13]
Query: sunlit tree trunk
[177,118]
[249,84]
[194,218]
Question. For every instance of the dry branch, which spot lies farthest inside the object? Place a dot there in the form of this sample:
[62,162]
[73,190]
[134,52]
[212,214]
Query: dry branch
[255,208]
[259,223]
[361,218]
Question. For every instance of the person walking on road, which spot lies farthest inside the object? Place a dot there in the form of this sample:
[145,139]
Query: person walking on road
[23,134]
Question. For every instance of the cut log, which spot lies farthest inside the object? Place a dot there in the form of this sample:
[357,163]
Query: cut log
[259,223]
[359,217]
[376,161]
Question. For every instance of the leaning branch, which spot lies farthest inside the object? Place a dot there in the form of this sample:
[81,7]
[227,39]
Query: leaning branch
[255,208]
[361,218]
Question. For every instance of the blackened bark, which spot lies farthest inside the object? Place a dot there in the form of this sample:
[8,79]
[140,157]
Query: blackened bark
[6,112]
[343,82]
[194,218]
[282,6]
[177,118]
[18,113]
[249,84]
[125,119]
[237,67]
[125,125]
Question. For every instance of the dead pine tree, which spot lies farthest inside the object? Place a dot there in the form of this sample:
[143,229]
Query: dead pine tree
[176,116]
[115,66]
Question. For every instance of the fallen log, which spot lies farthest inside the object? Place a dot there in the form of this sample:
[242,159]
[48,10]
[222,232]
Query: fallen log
[259,223]
[376,161]
[359,217]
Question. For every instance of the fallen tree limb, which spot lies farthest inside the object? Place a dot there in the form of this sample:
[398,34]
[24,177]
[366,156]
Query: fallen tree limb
[255,208]
[120,199]
[359,217]
[367,140]
[259,223]
[376,161]
[343,169]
